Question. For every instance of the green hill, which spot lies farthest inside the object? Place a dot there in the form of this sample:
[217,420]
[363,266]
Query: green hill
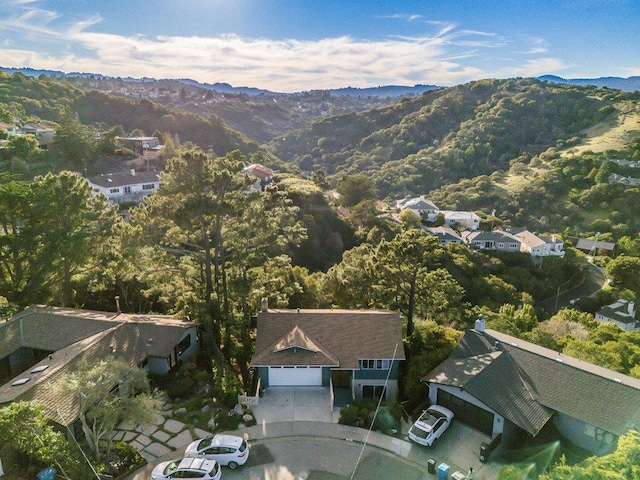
[445,135]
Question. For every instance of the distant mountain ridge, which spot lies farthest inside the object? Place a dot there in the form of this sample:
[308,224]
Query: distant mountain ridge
[629,84]
[381,91]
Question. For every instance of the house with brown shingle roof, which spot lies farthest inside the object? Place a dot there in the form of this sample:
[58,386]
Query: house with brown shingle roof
[40,345]
[359,350]
[500,384]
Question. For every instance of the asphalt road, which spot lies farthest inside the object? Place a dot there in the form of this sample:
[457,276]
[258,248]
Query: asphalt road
[321,459]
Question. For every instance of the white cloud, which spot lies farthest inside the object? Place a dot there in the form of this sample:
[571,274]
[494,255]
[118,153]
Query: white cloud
[534,68]
[280,65]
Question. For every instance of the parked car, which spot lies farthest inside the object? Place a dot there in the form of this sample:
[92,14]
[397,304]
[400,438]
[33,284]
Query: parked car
[430,425]
[229,450]
[187,468]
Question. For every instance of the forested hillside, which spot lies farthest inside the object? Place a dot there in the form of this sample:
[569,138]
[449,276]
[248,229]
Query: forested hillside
[446,135]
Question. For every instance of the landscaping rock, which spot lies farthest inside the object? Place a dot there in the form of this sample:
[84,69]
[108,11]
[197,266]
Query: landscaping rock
[180,412]
[238,409]
[211,424]
[246,418]
[205,409]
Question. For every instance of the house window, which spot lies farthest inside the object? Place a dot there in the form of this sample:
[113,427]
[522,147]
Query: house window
[184,344]
[374,364]
[373,391]
[500,245]
[114,190]
[127,189]
[513,246]
[148,186]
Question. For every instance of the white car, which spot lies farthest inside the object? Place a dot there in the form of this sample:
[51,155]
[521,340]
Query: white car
[430,425]
[229,450]
[187,468]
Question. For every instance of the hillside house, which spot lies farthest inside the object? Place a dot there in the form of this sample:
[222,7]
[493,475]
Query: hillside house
[358,350]
[494,240]
[621,313]
[39,345]
[125,187]
[461,220]
[500,384]
[262,174]
[445,235]
[537,245]
[422,207]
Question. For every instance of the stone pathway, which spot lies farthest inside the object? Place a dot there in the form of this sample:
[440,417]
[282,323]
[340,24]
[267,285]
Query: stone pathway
[164,436]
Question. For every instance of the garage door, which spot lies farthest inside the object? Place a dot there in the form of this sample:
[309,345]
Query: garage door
[467,413]
[295,376]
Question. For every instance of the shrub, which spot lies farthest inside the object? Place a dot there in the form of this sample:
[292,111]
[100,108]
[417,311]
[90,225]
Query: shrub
[350,415]
[180,388]
[361,412]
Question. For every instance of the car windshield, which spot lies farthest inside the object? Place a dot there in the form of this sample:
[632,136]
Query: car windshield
[204,443]
[214,470]
[419,432]
[243,446]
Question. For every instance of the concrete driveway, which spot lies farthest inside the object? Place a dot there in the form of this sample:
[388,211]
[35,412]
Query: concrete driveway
[295,404]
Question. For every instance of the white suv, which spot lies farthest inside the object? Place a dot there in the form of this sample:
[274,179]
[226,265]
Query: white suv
[227,450]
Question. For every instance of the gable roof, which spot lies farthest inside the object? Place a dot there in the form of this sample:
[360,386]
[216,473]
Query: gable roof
[622,311]
[491,235]
[584,244]
[337,338]
[75,338]
[526,383]
[258,170]
[416,203]
[445,234]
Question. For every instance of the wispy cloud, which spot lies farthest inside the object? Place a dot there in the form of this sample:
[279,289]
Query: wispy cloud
[282,64]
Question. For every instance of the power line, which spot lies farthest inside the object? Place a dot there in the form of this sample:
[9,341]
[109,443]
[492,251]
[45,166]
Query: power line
[373,421]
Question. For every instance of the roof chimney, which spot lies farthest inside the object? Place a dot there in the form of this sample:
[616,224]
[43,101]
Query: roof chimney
[480,324]
[133,172]
[631,308]
[264,305]
[118,304]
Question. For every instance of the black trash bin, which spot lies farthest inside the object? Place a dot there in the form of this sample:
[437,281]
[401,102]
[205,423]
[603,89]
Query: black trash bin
[431,465]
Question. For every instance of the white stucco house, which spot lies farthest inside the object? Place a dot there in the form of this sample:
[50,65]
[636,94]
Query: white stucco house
[126,187]
[425,209]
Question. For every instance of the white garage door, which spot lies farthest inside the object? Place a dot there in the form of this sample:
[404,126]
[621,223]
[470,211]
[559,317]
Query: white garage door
[295,376]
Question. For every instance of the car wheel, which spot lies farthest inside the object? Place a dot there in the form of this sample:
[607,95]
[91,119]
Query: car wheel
[233,465]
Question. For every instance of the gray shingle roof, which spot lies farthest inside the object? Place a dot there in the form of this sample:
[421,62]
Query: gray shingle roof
[331,337]
[526,383]
[76,338]
[124,178]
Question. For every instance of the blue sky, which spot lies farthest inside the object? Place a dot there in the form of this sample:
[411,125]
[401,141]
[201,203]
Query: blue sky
[296,45]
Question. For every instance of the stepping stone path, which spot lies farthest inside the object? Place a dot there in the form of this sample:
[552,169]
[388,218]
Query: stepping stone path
[164,436]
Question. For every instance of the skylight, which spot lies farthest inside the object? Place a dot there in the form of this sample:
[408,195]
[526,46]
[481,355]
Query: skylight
[39,369]
[20,381]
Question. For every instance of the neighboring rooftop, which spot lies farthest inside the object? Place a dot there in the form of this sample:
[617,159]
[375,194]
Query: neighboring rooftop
[526,383]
